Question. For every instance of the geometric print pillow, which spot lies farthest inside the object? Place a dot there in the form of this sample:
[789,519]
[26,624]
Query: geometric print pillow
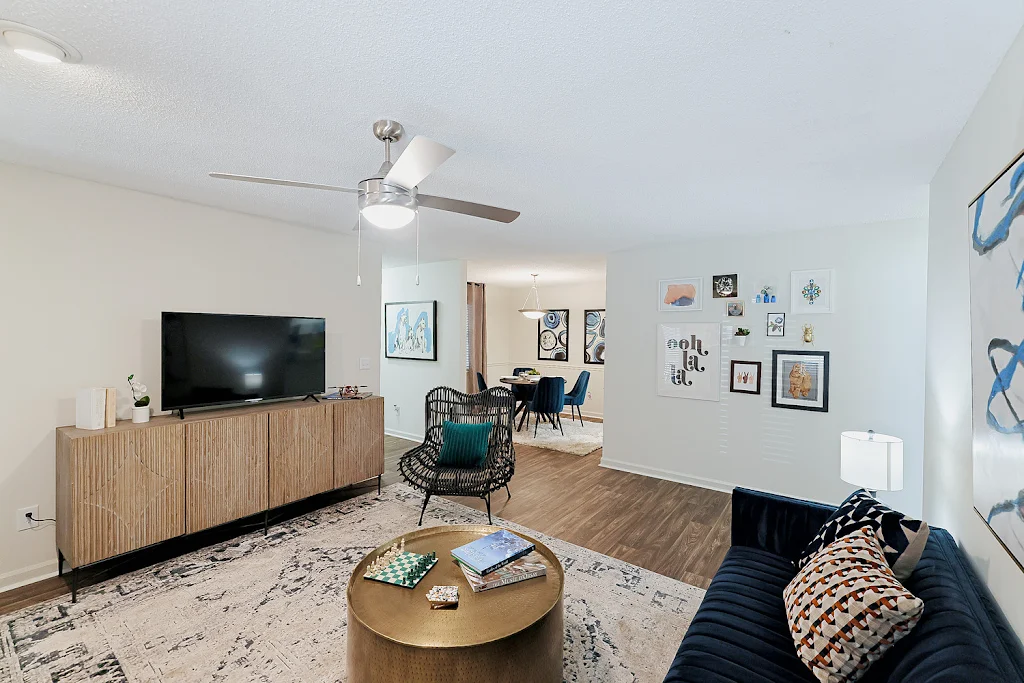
[902,539]
[846,608]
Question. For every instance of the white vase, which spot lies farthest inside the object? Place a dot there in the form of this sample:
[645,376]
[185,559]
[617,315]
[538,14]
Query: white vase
[739,340]
[140,414]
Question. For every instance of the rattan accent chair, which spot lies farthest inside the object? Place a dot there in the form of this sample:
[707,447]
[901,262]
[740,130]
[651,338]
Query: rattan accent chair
[420,467]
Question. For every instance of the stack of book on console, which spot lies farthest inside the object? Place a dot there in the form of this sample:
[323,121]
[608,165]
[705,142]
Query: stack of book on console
[497,560]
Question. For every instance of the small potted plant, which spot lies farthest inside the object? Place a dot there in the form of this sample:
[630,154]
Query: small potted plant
[740,337]
[140,409]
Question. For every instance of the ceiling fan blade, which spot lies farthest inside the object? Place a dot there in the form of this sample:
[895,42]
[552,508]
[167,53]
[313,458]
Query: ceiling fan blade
[491,213]
[276,181]
[420,159]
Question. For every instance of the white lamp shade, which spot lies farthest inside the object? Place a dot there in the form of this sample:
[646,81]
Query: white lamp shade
[871,461]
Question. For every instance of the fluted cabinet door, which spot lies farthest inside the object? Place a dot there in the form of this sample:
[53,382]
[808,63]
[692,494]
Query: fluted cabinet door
[226,462]
[119,491]
[301,453]
[358,440]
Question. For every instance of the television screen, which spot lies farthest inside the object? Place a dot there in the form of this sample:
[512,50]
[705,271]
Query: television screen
[211,359]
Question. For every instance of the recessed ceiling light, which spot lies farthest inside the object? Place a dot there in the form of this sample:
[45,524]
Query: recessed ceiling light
[37,45]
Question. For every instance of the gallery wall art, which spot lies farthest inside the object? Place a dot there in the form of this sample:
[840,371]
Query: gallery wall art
[410,330]
[745,377]
[725,286]
[553,335]
[997,352]
[811,291]
[775,325]
[681,294]
[593,336]
[800,380]
[689,357]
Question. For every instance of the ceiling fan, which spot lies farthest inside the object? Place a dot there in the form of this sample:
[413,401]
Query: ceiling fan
[390,199]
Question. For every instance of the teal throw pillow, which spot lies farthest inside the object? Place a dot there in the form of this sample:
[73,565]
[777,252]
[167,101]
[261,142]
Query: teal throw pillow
[464,445]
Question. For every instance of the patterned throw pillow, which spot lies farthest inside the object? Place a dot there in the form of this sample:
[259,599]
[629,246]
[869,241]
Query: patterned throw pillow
[846,608]
[902,539]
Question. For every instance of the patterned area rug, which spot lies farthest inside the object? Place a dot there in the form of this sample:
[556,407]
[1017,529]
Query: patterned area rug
[273,608]
[578,439]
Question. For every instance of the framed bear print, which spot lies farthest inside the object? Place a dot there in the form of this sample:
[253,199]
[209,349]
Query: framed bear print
[800,380]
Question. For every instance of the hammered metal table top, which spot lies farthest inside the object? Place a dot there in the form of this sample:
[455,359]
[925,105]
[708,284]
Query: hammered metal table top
[404,615]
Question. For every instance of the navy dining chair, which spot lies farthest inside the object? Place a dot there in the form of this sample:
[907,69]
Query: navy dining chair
[548,401]
[522,393]
[481,383]
[575,398]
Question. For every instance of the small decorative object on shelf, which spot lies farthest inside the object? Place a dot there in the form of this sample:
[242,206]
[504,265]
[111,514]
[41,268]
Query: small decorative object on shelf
[140,407]
[441,597]
[808,333]
[348,392]
[766,295]
[400,568]
[740,337]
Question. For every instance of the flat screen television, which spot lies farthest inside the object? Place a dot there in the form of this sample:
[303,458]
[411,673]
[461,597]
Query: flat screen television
[212,359]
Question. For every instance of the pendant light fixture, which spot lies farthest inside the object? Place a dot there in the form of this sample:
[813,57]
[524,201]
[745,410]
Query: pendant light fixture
[535,313]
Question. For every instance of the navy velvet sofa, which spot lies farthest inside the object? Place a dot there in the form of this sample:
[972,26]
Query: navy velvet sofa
[740,633]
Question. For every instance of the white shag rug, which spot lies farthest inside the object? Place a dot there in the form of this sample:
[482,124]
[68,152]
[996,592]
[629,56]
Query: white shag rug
[579,439]
[273,608]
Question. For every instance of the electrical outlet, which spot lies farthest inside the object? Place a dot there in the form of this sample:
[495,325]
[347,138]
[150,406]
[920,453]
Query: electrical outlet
[364,363]
[397,409]
[22,522]
[590,395]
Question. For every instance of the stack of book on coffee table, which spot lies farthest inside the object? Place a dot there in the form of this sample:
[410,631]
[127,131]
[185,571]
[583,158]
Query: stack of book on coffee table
[498,559]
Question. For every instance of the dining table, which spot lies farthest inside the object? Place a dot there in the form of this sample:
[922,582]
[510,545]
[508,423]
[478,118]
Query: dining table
[522,382]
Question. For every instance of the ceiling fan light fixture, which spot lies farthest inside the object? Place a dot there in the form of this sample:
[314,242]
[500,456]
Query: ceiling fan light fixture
[388,216]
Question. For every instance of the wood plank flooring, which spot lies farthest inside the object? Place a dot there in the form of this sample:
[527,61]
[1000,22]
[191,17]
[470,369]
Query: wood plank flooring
[673,529]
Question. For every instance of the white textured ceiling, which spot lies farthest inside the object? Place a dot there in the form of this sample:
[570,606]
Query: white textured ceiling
[608,124]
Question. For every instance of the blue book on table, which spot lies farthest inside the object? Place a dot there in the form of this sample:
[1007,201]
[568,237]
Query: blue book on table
[491,552]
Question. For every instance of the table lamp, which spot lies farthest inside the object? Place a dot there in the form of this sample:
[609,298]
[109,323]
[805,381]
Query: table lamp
[871,461]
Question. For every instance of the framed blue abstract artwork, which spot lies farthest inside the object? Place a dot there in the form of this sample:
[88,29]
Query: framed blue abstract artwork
[553,335]
[997,354]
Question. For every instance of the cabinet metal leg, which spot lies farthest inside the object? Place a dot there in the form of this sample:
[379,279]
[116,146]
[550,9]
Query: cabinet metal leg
[60,563]
[266,522]
[378,483]
[74,584]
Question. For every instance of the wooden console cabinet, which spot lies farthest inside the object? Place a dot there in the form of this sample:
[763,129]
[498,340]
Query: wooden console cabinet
[129,486]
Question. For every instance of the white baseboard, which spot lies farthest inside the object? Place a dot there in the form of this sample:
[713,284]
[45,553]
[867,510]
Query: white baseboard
[408,436]
[659,473]
[27,575]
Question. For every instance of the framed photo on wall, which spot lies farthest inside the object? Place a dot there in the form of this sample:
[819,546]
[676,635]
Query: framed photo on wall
[775,325]
[997,327]
[812,291]
[745,377]
[593,336]
[800,380]
[553,335]
[410,330]
[725,286]
[689,360]
[681,294]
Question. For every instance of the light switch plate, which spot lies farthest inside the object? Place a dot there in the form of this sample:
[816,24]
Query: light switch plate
[364,363]
[22,522]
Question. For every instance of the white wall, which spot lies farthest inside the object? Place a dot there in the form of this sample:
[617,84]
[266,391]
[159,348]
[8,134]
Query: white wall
[875,338]
[512,339]
[86,269]
[993,135]
[405,383]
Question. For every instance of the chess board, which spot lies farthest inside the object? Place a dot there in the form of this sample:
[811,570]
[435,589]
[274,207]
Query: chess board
[402,570]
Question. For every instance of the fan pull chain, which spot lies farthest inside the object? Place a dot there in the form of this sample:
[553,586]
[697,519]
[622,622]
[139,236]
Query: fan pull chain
[417,247]
[359,249]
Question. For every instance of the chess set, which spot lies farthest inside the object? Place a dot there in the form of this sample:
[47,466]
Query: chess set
[400,568]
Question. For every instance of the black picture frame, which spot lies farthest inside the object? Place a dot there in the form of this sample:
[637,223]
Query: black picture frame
[562,327]
[720,282]
[433,336]
[768,324]
[732,377]
[823,380]
[587,358]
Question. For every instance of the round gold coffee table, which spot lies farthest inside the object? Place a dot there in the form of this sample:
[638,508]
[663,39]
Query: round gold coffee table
[513,633]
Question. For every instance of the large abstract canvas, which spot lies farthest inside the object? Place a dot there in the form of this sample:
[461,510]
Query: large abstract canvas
[593,336]
[997,354]
[410,330]
[689,360]
[553,335]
